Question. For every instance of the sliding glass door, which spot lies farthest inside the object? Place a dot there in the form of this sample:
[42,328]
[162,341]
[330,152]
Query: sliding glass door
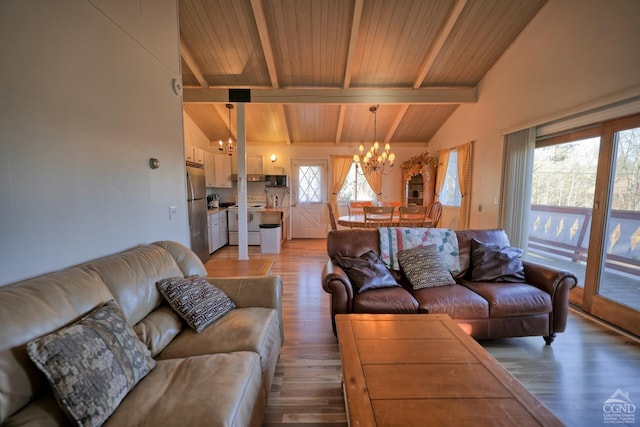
[585,216]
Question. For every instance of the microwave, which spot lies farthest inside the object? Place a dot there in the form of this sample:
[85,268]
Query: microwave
[276,180]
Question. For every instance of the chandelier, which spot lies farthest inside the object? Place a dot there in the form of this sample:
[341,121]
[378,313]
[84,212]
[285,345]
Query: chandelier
[375,160]
[228,148]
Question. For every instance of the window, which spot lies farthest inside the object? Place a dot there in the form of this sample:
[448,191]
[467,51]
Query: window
[355,188]
[450,194]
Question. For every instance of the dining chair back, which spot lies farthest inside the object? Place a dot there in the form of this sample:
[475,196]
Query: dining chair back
[378,216]
[412,216]
[395,203]
[356,208]
[332,217]
[434,213]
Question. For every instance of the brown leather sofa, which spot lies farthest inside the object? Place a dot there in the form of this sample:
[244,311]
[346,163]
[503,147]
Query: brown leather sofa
[218,377]
[486,310]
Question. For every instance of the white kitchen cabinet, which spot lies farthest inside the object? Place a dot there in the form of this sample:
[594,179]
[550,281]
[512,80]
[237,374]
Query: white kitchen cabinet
[218,230]
[198,154]
[193,154]
[209,233]
[222,171]
[223,228]
[217,170]
[254,165]
[209,169]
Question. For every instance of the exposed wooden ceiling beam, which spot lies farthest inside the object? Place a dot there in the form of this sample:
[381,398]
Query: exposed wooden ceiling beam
[437,45]
[287,135]
[193,66]
[353,39]
[265,41]
[340,124]
[444,33]
[436,95]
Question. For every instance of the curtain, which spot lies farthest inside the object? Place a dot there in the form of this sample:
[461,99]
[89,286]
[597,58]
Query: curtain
[464,179]
[519,148]
[441,173]
[340,166]
[375,182]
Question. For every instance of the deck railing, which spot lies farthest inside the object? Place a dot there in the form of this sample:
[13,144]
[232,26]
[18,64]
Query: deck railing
[564,232]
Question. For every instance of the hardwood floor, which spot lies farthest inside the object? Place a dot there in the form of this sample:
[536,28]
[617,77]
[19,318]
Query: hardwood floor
[573,377]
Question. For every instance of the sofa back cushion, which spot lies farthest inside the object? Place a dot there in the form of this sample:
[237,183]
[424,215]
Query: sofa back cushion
[464,245]
[131,277]
[353,242]
[30,309]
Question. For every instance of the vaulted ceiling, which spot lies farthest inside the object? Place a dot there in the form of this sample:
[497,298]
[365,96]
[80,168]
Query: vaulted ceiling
[315,67]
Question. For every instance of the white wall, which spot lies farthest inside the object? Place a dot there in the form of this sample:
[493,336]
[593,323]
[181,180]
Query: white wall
[85,101]
[574,55]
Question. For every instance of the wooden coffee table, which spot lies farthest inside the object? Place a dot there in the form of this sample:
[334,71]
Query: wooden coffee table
[423,369]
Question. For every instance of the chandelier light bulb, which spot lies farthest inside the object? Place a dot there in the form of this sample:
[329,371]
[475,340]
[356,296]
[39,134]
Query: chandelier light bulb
[356,158]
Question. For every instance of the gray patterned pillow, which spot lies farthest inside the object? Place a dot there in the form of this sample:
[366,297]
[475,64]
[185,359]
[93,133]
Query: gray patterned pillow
[92,364]
[196,300]
[424,267]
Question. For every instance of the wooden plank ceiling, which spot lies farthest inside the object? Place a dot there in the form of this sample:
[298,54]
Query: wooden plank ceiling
[315,67]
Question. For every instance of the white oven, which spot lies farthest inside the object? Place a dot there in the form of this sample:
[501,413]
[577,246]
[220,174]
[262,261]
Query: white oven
[254,218]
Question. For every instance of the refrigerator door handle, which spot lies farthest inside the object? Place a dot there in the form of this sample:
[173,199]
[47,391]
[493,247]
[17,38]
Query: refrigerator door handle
[190,185]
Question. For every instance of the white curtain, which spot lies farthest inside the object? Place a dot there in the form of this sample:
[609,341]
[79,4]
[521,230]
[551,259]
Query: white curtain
[517,169]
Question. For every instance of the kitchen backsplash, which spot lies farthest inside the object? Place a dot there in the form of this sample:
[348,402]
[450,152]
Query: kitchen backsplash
[253,189]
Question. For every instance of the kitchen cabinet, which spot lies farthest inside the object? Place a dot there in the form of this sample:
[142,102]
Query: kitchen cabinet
[217,170]
[218,230]
[193,154]
[254,165]
[222,171]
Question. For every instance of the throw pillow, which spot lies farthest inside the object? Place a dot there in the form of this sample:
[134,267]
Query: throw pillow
[92,364]
[196,300]
[424,267]
[367,272]
[492,262]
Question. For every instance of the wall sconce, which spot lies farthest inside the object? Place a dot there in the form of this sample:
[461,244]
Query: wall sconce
[274,158]
[154,163]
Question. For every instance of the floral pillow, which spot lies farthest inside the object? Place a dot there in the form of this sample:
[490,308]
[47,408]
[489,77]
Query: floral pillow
[92,364]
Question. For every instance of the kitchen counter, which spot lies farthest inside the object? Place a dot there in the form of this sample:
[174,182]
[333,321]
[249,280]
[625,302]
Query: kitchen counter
[214,210]
[277,216]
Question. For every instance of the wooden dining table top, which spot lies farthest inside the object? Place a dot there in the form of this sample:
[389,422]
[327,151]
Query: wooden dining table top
[358,220]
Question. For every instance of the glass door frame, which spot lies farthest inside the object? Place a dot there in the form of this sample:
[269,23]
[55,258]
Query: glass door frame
[591,301]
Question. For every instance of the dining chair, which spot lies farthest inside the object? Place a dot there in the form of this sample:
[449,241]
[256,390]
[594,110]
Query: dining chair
[395,203]
[434,214]
[412,216]
[332,217]
[378,216]
[356,208]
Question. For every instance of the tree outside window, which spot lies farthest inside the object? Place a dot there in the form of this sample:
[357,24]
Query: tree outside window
[355,188]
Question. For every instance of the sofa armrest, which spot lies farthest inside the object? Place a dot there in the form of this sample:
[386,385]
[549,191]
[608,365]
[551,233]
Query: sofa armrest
[557,283]
[258,291]
[336,282]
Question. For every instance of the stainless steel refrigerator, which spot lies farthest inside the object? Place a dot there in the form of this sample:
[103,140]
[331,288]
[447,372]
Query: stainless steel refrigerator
[197,206]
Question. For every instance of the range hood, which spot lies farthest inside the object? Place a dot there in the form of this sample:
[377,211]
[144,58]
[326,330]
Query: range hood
[250,177]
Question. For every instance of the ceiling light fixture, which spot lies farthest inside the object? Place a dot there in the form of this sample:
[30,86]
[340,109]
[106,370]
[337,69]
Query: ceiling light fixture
[375,160]
[228,149]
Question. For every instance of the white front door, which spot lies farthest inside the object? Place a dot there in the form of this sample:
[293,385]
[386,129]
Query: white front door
[309,188]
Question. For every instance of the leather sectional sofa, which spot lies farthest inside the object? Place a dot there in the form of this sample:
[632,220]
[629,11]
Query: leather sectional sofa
[218,377]
[538,305]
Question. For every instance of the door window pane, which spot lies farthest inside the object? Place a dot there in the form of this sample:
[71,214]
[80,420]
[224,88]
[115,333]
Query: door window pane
[309,184]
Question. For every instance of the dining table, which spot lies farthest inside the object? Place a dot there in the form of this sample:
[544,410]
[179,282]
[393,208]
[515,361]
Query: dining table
[357,221]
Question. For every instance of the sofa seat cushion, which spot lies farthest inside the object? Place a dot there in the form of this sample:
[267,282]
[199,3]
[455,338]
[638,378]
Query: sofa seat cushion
[219,390]
[511,299]
[454,300]
[253,329]
[388,300]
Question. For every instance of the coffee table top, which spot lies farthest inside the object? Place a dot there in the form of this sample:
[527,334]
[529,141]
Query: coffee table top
[418,369]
